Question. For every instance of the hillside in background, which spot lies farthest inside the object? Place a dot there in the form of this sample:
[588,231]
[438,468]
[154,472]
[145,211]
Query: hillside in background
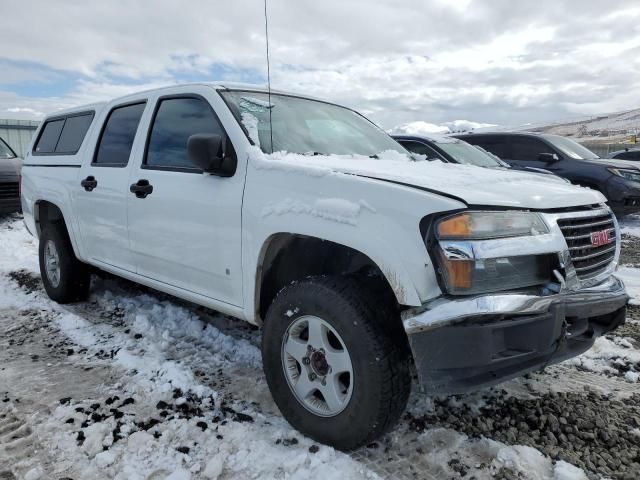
[613,127]
[602,134]
[424,128]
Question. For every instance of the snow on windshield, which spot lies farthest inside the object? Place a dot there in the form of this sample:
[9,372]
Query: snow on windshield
[255,104]
[250,123]
[306,126]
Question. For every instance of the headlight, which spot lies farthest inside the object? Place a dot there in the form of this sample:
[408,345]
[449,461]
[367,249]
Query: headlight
[632,175]
[484,275]
[485,225]
[464,274]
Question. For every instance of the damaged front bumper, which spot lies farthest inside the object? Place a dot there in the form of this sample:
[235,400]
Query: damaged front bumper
[465,343]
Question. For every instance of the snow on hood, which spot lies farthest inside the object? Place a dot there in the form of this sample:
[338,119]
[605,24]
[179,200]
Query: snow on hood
[475,185]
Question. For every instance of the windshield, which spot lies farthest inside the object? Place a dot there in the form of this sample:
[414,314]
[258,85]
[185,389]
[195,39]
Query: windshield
[5,151]
[305,126]
[462,152]
[571,148]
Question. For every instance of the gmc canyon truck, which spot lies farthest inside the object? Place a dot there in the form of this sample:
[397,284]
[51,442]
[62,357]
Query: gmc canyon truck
[360,262]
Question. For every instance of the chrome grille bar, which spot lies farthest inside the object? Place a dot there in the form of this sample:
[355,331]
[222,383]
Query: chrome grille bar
[589,258]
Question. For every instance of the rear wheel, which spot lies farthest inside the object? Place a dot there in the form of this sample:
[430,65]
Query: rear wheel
[65,278]
[337,370]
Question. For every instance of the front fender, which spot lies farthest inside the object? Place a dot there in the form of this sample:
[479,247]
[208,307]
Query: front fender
[377,218]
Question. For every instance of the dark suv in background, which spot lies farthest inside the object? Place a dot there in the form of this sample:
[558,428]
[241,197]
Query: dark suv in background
[626,154]
[618,180]
[9,179]
[452,150]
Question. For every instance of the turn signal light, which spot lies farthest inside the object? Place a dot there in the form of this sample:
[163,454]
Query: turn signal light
[459,273]
[455,227]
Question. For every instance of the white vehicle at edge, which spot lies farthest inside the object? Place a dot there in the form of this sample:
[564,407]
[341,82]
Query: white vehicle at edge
[355,258]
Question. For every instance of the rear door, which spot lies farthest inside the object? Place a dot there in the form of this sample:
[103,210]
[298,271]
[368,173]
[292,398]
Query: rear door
[102,190]
[185,228]
[519,151]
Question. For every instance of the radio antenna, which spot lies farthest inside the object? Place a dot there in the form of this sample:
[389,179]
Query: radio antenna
[266,34]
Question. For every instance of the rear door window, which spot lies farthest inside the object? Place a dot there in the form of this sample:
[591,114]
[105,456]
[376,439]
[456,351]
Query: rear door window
[116,140]
[176,119]
[527,148]
[49,136]
[496,144]
[73,133]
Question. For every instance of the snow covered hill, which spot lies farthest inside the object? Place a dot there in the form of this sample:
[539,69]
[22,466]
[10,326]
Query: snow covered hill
[421,127]
[613,126]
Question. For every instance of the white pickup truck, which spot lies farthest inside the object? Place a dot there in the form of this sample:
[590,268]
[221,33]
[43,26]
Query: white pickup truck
[360,262]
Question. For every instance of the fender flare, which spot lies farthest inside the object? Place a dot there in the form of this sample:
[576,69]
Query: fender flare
[396,276]
[65,216]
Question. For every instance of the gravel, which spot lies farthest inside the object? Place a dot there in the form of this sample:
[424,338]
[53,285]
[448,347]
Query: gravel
[630,253]
[592,431]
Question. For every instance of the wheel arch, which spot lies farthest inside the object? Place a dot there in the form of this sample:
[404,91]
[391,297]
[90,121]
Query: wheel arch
[48,213]
[309,255]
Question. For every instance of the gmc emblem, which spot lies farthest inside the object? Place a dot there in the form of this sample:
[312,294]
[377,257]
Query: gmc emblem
[601,238]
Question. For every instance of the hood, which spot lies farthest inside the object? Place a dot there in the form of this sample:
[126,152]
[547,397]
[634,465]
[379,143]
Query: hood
[611,162]
[10,168]
[474,185]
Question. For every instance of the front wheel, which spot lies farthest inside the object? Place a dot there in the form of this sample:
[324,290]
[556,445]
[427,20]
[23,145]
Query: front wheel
[338,370]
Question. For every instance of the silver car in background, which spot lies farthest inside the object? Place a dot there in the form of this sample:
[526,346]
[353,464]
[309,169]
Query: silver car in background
[10,166]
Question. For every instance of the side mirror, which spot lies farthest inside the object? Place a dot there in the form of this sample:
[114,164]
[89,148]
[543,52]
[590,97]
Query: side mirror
[206,151]
[548,157]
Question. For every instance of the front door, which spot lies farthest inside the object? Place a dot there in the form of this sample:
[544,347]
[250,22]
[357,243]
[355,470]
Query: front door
[102,190]
[184,225]
[525,152]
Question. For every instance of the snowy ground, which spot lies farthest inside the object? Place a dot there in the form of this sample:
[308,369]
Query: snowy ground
[136,385]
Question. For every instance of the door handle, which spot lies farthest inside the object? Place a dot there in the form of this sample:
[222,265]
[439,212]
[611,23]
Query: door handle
[89,183]
[141,188]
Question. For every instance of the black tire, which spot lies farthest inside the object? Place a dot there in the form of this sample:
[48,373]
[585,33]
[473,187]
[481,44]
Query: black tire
[378,349]
[75,277]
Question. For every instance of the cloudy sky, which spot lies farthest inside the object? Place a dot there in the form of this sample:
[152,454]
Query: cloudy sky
[497,61]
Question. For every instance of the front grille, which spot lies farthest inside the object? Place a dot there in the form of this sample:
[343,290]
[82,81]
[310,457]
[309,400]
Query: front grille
[9,190]
[589,259]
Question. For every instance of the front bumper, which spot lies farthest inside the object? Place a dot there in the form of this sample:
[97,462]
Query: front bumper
[623,196]
[10,205]
[462,344]
[9,194]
